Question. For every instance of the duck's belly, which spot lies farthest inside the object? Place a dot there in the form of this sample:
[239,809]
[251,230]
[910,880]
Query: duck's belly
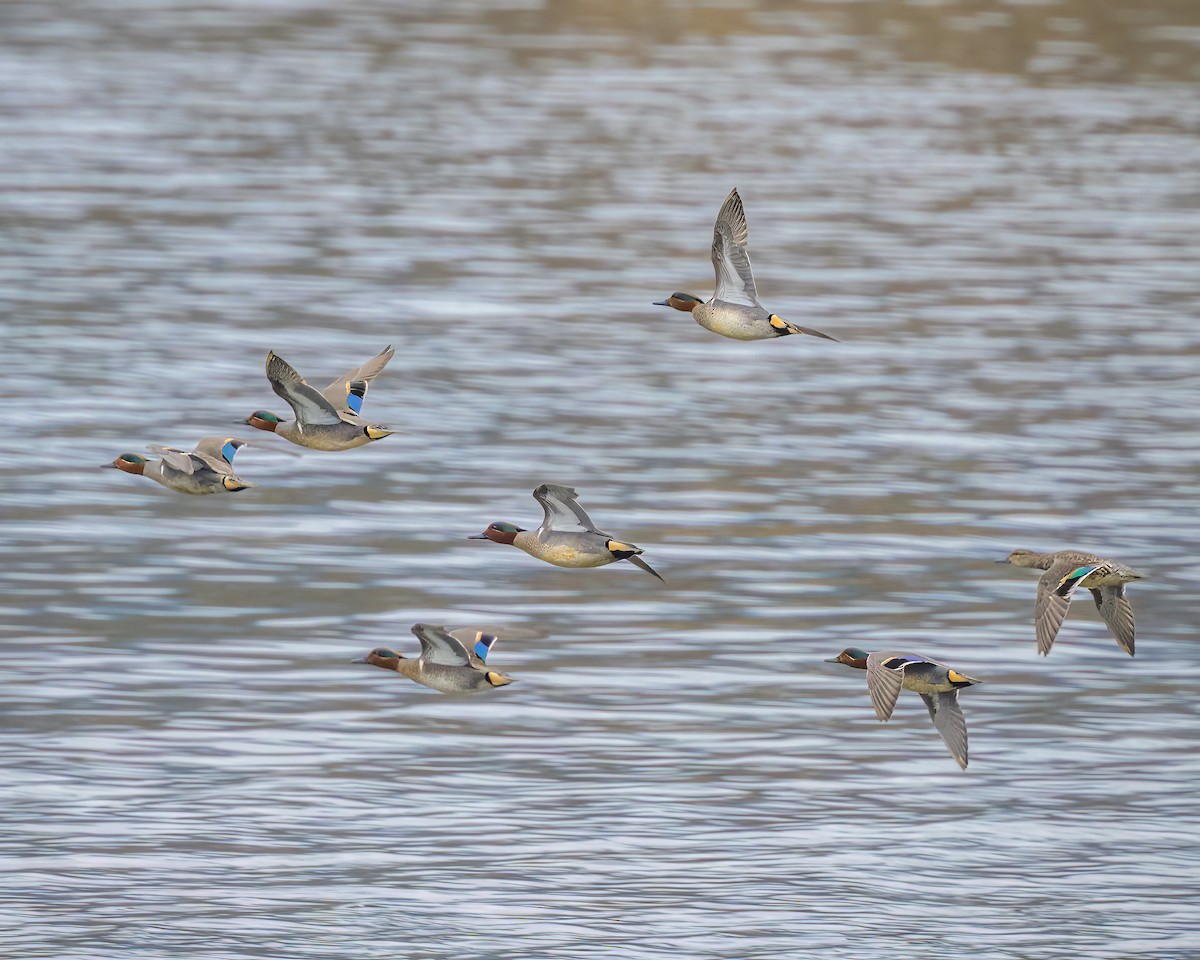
[925,685]
[326,437]
[923,678]
[445,679]
[188,483]
[568,554]
[733,324]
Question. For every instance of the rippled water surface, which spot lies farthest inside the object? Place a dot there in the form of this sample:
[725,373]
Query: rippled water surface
[996,212]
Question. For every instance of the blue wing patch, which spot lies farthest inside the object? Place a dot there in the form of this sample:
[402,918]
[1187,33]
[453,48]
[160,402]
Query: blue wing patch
[483,645]
[228,450]
[355,391]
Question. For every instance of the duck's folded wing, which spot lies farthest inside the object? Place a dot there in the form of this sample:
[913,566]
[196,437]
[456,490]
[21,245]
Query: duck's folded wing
[438,646]
[731,262]
[884,682]
[348,391]
[309,406]
[1117,613]
[562,509]
[949,721]
[176,459]
[1051,606]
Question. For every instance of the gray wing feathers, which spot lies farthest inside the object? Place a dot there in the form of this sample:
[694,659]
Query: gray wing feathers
[731,262]
[883,685]
[1117,613]
[562,510]
[1050,609]
[438,646]
[472,638]
[176,459]
[307,404]
[336,392]
[949,721]
[212,451]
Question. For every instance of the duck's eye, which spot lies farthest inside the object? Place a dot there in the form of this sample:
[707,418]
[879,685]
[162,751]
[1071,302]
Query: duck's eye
[382,652]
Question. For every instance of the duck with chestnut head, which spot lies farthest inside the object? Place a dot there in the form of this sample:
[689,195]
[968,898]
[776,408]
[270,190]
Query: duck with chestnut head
[888,673]
[446,663]
[734,310]
[326,419]
[567,536]
[206,469]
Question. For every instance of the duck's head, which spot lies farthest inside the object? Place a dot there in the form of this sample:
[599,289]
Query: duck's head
[381,657]
[499,532]
[680,301]
[262,420]
[851,657]
[130,463]
[497,679]
[1022,558]
[374,431]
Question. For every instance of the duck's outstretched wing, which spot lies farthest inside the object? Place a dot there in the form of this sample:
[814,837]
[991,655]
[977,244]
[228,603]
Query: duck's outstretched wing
[1053,600]
[438,646]
[1117,613]
[949,721]
[218,452]
[307,404]
[885,678]
[477,643]
[348,391]
[731,262]
[562,509]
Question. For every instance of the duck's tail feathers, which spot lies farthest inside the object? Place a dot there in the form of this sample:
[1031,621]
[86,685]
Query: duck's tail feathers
[639,562]
[784,327]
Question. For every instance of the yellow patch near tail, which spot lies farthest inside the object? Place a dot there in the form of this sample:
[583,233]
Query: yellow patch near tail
[778,322]
[616,546]
[956,677]
[498,679]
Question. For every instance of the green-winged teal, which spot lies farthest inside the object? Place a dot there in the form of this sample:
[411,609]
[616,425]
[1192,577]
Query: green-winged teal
[446,663]
[1066,570]
[734,310]
[206,469]
[937,684]
[327,419]
[567,536]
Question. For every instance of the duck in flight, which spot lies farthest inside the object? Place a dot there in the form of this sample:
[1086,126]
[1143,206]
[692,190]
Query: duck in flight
[734,310]
[446,664]
[1066,570]
[326,419]
[567,536]
[208,468]
[888,673]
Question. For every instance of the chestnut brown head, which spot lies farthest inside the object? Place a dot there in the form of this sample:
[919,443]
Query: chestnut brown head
[499,532]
